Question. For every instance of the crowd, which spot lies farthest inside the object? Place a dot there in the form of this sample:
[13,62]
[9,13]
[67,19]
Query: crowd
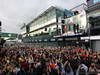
[24,60]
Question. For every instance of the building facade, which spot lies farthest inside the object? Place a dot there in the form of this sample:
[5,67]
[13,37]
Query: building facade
[93,15]
[45,22]
[57,27]
[44,27]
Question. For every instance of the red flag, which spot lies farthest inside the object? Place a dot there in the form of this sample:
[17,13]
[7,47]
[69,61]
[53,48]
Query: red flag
[65,29]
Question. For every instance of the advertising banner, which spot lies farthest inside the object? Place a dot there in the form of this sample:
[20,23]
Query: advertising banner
[79,19]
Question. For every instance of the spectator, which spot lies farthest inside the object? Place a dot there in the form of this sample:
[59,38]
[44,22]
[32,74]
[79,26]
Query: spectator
[34,60]
[68,69]
[93,69]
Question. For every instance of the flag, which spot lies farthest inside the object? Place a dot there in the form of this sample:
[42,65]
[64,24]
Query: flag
[65,29]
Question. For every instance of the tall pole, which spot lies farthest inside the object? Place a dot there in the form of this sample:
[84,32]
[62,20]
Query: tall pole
[57,22]
[57,26]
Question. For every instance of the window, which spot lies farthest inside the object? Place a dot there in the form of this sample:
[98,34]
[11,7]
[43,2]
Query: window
[53,14]
[94,21]
[60,13]
[96,1]
[48,16]
[41,20]
[45,19]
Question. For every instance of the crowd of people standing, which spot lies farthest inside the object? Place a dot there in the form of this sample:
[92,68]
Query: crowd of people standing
[70,60]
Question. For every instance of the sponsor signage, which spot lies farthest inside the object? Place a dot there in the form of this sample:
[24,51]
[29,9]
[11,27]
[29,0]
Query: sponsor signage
[40,40]
[45,40]
[91,38]
[67,39]
[60,39]
[35,40]
[9,35]
[52,39]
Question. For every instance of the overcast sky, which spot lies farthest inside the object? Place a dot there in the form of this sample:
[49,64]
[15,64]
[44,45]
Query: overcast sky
[13,13]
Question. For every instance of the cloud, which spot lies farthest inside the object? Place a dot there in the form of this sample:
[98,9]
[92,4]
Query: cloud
[13,13]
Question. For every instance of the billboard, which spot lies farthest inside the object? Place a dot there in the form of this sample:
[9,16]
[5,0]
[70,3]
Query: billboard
[79,19]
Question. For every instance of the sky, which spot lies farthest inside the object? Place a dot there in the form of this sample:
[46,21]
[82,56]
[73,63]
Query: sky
[14,13]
